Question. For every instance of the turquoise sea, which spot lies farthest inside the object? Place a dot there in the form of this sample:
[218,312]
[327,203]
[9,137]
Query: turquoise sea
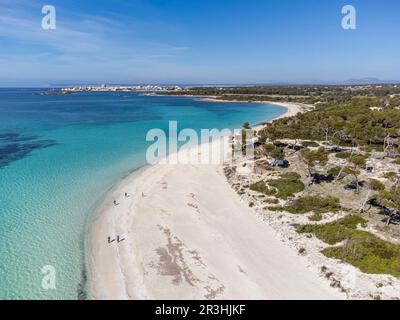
[59,154]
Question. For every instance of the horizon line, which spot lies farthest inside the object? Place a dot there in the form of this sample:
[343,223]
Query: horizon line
[349,82]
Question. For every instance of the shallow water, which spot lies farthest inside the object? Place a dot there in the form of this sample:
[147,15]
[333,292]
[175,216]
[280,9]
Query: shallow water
[59,154]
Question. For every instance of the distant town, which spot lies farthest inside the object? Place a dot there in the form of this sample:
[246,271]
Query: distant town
[105,88]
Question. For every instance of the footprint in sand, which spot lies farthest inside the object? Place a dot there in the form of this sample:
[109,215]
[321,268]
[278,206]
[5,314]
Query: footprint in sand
[241,270]
[165,213]
[194,207]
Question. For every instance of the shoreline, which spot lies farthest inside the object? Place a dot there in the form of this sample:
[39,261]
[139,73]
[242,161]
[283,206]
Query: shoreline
[292,107]
[165,258]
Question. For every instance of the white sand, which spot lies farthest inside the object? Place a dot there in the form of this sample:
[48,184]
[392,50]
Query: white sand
[188,235]
[292,108]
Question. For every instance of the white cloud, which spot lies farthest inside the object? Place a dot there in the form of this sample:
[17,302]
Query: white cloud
[82,46]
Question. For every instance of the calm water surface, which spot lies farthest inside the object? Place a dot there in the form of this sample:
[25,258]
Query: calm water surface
[59,154]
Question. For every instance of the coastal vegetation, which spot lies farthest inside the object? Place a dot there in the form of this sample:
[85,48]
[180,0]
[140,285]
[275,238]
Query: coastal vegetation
[376,185]
[353,131]
[262,187]
[369,253]
[343,155]
[287,185]
[274,151]
[334,232]
[284,187]
[344,159]
[350,126]
[315,94]
[359,248]
[390,200]
[315,204]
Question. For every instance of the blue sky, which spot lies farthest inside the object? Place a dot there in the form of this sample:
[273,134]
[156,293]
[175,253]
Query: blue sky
[197,41]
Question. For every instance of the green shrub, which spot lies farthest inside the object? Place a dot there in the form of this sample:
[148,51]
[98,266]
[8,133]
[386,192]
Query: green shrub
[274,208]
[367,149]
[390,175]
[343,155]
[334,171]
[390,198]
[334,232]
[274,151]
[311,144]
[288,185]
[369,253]
[315,157]
[291,176]
[358,160]
[376,185]
[271,201]
[316,217]
[361,249]
[263,188]
[315,204]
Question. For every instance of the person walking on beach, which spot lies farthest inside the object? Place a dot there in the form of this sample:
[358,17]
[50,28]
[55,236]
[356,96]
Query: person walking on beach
[115,203]
[110,241]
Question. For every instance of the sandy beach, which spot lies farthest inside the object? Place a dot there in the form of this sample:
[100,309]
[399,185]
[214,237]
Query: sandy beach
[292,108]
[186,234]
